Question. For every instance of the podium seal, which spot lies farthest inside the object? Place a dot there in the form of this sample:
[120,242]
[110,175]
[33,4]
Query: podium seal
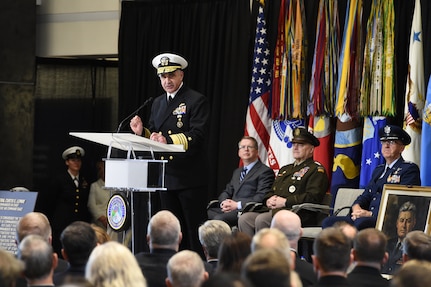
[118,212]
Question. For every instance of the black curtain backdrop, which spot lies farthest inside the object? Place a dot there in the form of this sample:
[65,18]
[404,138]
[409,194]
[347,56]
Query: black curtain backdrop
[216,37]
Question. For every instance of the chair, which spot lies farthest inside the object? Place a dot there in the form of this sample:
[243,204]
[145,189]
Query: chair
[343,201]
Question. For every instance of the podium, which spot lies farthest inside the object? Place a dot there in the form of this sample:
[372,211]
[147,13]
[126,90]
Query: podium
[131,174]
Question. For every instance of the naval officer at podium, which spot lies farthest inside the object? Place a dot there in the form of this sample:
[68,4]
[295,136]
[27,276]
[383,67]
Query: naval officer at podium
[180,116]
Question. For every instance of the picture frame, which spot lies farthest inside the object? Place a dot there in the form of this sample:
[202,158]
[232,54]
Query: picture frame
[393,197]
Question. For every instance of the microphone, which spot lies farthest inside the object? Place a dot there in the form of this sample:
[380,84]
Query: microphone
[149,100]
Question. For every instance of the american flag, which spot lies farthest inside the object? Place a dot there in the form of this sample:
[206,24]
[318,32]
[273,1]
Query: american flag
[258,122]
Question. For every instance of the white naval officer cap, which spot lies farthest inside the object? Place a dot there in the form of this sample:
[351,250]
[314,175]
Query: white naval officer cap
[73,152]
[168,63]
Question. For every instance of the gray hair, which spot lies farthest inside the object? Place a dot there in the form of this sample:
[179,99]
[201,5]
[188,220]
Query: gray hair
[186,269]
[211,235]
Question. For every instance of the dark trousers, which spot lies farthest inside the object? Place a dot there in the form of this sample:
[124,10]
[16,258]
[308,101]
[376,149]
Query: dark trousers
[360,223]
[189,205]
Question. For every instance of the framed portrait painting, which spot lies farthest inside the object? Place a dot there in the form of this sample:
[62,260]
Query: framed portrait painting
[402,197]
[402,210]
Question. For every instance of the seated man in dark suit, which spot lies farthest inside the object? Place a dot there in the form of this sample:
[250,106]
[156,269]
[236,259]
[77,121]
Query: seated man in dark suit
[289,223]
[369,252]
[249,183]
[163,237]
[78,240]
[396,171]
[211,235]
[331,257]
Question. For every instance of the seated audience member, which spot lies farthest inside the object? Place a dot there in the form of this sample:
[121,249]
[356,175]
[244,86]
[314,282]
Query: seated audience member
[112,265]
[211,235]
[37,223]
[267,267]
[101,234]
[331,257]
[395,171]
[417,245]
[78,241]
[406,221]
[305,180]
[186,269]
[272,238]
[39,260]
[233,251]
[163,237]
[289,223]
[412,273]
[10,269]
[249,183]
[369,253]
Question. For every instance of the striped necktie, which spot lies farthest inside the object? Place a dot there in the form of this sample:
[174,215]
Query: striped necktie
[243,173]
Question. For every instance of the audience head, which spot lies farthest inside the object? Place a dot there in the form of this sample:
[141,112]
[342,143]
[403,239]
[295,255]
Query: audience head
[267,267]
[211,235]
[101,235]
[233,251]
[369,246]
[113,265]
[38,257]
[10,268]
[406,219]
[272,238]
[331,251]
[78,239]
[164,231]
[186,269]
[34,223]
[289,223]
[417,245]
[412,273]
[348,229]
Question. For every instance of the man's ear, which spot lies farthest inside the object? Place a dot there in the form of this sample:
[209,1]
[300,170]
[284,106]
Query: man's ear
[405,258]
[316,265]
[386,258]
[168,282]
[54,260]
[64,254]
[354,255]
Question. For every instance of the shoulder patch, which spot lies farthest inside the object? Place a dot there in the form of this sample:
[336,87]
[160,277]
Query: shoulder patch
[321,169]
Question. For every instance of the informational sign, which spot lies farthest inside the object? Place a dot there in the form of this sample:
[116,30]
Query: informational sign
[13,206]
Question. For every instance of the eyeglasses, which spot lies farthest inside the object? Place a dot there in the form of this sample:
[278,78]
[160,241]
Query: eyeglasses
[246,147]
[390,142]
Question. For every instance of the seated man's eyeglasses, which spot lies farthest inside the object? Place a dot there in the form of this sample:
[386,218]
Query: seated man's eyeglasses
[246,147]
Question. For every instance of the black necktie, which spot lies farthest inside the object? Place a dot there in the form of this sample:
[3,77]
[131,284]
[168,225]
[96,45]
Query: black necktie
[75,179]
[243,173]
[170,98]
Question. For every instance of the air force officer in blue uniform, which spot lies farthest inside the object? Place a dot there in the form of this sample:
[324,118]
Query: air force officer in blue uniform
[395,171]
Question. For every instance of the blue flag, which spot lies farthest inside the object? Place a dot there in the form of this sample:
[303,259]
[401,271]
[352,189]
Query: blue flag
[371,148]
[426,140]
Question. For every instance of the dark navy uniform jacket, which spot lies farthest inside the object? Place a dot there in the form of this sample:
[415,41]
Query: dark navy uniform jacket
[403,172]
[183,121]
